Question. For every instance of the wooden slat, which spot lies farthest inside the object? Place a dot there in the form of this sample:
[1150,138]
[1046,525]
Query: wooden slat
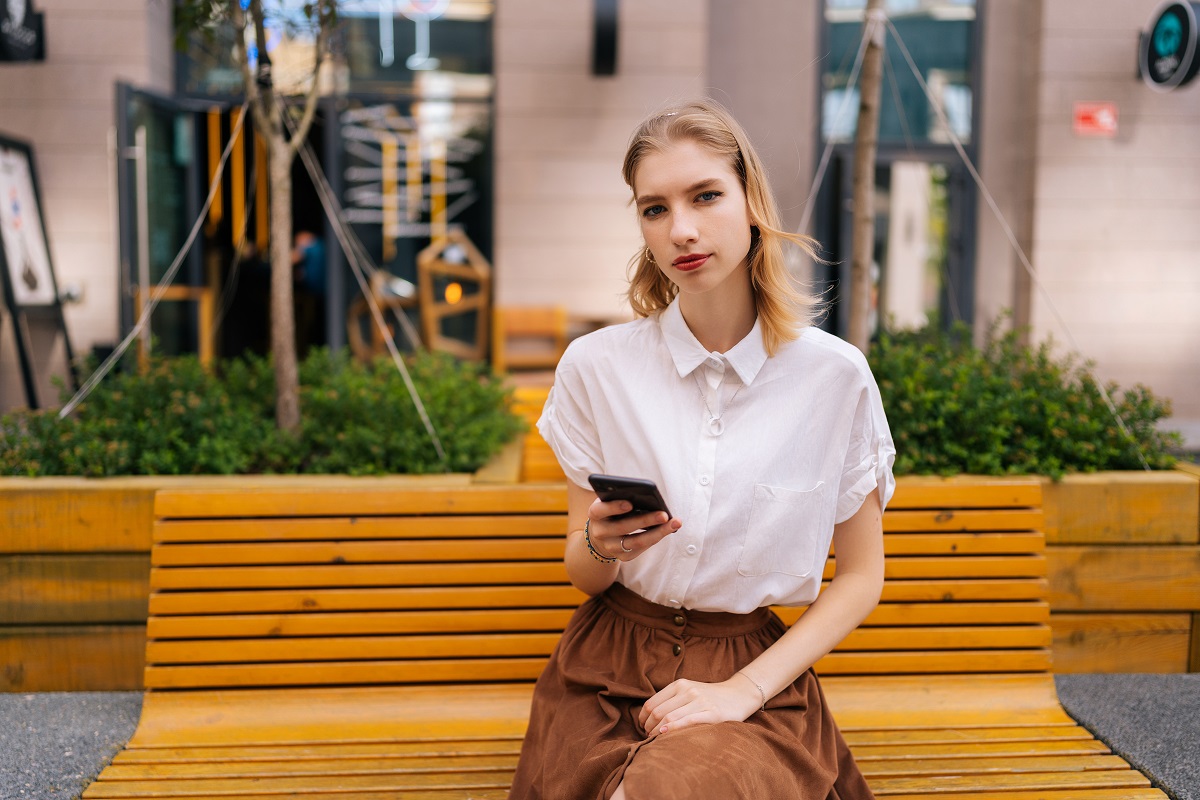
[346,648]
[901,736]
[960,567]
[422,794]
[934,662]
[910,751]
[296,786]
[76,515]
[348,750]
[966,492]
[369,552]
[949,590]
[1120,508]
[361,575]
[357,623]
[988,793]
[1124,578]
[386,598]
[336,501]
[1121,642]
[1073,780]
[948,638]
[352,528]
[994,613]
[985,542]
[334,673]
[952,519]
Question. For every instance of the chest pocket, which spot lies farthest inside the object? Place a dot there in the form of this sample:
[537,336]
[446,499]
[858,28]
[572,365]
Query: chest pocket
[788,531]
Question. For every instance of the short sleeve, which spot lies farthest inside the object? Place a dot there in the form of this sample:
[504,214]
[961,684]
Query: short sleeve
[869,455]
[568,425]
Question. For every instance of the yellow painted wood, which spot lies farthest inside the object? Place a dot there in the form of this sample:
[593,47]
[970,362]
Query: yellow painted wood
[422,794]
[947,520]
[931,637]
[996,613]
[362,648]
[76,515]
[333,673]
[352,750]
[1165,578]
[1119,508]
[1121,642]
[1073,780]
[961,567]
[341,499]
[355,528]
[988,767]
[983,543]
[933,662]
[357,623]
[1075,793]
[72,658]
[362,575]
[384,764]
[950,590]
[386,598]
[292,786]
[74,588]
[370,552]
[966,491]
[900,736]
[910,751]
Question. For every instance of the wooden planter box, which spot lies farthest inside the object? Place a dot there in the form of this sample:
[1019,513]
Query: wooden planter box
[75,570]
[1123,556]
[1123,553]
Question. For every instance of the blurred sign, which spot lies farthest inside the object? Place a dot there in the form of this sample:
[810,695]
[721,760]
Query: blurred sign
[1167,57]
[21,32]
[1096,119]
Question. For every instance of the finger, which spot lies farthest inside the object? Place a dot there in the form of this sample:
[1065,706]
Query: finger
[644,540]
[602,510]
[674,697]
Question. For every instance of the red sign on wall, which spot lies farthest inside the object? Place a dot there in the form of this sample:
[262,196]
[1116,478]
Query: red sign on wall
[1096,119]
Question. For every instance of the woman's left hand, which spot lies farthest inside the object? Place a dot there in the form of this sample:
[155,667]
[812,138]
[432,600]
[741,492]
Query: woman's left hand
[684,703]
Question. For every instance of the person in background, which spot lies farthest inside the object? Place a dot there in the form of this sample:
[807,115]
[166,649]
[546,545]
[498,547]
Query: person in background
[768,440]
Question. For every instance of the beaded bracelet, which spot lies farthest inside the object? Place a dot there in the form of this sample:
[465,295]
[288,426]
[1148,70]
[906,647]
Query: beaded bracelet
[587,539]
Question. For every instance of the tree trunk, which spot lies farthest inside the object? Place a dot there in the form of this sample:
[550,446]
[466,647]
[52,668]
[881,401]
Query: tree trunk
[283,321]
[866,140]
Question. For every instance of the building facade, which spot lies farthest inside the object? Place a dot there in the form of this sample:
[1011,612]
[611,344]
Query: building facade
[1104,213]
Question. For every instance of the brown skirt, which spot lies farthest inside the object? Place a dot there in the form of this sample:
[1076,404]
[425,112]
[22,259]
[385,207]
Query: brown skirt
[617,651]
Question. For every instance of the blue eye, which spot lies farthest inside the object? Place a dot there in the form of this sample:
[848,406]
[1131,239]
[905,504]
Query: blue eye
[708,197]
[652,211]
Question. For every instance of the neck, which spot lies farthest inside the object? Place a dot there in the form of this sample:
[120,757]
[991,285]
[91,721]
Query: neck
[718,323]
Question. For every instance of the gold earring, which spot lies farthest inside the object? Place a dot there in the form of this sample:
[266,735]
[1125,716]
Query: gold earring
[650,256]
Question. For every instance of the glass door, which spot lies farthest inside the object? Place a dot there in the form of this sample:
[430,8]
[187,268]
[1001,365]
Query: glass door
[160,193]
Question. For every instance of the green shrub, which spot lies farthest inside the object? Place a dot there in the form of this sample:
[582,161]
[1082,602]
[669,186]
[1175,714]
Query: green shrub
[1009,408]
[181,419]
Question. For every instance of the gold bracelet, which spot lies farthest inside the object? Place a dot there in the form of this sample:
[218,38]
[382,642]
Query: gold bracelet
[587,539]
[758,686]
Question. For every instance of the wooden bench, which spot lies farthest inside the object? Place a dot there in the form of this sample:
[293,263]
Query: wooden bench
[363,643]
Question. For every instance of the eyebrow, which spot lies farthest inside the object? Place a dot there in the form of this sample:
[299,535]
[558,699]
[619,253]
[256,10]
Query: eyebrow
[695,187]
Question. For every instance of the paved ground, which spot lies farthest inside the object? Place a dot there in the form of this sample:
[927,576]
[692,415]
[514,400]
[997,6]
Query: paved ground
[52,745]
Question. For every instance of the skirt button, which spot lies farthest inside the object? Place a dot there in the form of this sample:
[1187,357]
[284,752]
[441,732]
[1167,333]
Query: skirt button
[677,649]
[679,620]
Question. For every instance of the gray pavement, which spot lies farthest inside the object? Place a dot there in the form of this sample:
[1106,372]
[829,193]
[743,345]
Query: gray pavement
[52,745]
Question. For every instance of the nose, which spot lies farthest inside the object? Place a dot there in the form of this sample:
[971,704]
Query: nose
[683,227]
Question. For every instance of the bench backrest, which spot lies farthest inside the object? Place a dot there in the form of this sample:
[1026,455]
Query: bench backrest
[354,586]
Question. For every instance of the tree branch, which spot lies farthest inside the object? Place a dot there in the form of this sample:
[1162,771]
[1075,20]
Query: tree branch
[324,14]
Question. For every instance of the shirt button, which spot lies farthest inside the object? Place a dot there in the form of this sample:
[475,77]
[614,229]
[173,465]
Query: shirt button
[677,649]
[679,620]
[717,364]
[691,549]
[704,480]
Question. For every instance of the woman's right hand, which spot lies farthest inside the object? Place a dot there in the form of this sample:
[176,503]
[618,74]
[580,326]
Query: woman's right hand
[623,538]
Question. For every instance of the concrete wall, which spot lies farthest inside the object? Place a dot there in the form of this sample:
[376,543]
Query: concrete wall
[65,107]
[564,229]
[1116,239]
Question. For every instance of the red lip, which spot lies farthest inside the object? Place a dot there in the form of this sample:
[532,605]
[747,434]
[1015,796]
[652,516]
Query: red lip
[689,262]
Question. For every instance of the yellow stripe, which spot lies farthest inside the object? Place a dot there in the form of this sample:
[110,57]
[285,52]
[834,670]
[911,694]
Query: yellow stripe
[217,210]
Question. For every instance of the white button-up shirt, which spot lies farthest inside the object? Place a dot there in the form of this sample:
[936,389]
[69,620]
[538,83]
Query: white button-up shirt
[758,456]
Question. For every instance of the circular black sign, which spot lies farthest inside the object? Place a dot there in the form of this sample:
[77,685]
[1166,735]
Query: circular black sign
[1169,56]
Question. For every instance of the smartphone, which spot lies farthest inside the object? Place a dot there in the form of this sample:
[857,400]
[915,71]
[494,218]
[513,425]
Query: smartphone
[642,493]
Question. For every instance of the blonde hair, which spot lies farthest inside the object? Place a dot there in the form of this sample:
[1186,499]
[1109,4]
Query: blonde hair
[781,306]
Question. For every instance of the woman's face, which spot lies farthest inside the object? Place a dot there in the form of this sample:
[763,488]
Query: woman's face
[694,217]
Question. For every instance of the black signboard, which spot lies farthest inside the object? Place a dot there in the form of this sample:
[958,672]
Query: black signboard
[1168,57]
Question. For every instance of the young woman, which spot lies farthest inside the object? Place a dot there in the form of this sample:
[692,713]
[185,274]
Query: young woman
[768,441]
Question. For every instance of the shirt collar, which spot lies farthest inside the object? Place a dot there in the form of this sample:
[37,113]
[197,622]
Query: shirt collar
[746,357]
